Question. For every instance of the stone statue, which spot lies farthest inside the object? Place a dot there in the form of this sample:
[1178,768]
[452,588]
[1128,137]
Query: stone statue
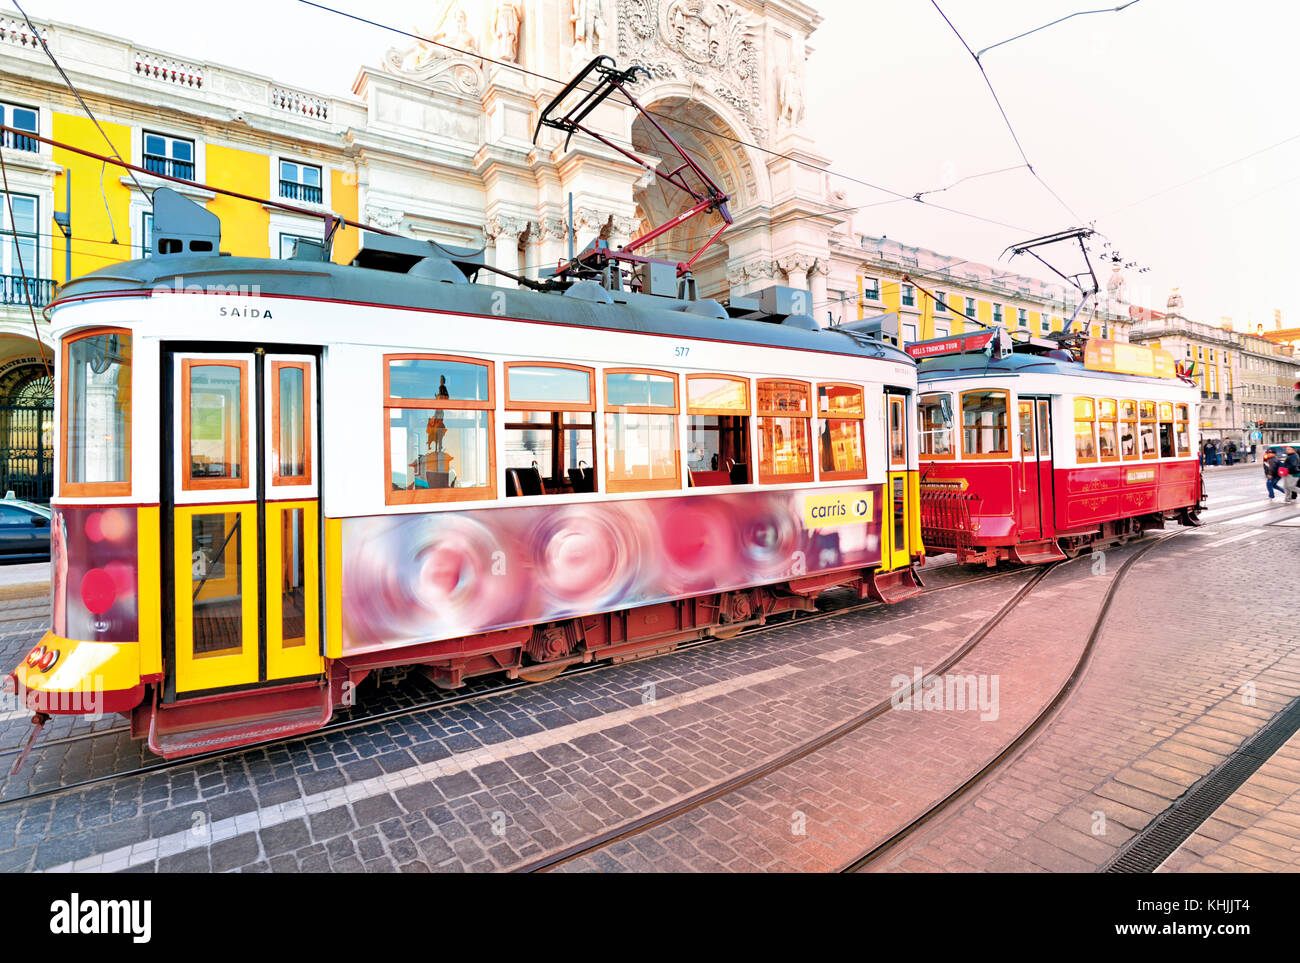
[452,29]
[505,28]
[588,22]
[790,98]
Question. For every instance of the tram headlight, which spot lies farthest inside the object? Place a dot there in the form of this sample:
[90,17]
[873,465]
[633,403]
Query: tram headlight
[35,655]
[48,659]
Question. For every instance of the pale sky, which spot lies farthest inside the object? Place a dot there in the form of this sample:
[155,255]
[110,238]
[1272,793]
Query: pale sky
[1110,109]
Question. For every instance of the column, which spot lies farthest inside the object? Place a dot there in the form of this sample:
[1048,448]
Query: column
[504,231]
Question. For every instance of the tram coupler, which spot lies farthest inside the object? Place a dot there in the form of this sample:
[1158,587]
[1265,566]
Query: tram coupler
[38,726]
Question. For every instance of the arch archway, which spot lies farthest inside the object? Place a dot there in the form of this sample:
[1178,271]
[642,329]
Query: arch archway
[710,139]
[27,432]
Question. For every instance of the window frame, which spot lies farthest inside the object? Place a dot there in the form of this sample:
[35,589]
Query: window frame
[1182,428]
[413,496]
[1092,426]
[923,431]
[241,481]
[511,405]
[282,180]
[1136,423]
[1004,454]
[615,485]
[1021,405]
[277,479]
[829,416]
[906,296]
[171,139]
[760,413]
[1154,422]
[69,489]
[1114,423]
[724,412]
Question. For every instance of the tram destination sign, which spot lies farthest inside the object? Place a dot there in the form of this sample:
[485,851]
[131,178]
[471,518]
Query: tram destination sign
[962,344]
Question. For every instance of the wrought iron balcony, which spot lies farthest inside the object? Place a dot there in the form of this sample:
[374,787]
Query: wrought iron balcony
[294,191]
[16,141]
[168,167]
[40,290]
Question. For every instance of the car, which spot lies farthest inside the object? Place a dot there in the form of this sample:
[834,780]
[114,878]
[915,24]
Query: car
[24,530]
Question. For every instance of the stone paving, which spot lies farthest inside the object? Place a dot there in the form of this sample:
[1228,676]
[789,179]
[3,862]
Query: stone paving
[1163,703]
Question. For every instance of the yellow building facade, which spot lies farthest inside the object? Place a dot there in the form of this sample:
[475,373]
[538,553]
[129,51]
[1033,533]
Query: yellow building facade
[204,124]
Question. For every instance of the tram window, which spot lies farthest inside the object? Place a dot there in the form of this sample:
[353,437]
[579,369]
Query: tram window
[1166,411]
[439,445]
[784,431]
[1108,429]
[935,412]
[1147,409]
[96,379]
[1183,435]
[216,424]
[984,424]
[897,432]
[1026,415]
[1085,439]
[291,442]
[1128,439]
[717,448]
[641,449]
[840,437]
[550,430]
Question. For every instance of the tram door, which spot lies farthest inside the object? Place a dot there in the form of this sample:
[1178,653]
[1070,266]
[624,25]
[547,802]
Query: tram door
[244,520]
[1035,467]
[895,522]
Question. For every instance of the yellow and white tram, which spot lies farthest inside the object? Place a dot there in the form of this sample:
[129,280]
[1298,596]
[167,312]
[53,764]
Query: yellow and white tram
[274,477]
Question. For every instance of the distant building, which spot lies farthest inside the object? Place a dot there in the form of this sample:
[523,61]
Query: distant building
[965,294]
[1245,378]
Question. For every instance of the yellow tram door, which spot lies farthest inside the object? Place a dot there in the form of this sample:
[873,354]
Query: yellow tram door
[245,522]
[896,521]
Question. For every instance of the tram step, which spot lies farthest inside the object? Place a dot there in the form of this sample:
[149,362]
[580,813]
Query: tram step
[1035,553]
[186,730]
[896,586]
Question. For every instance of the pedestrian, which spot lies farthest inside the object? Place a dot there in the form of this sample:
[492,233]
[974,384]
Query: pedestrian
[1272,482]
[1291,465]
[1232,453]
[1253,459]
[1211,453]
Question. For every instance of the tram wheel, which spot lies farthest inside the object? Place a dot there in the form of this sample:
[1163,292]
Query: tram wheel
[541,673]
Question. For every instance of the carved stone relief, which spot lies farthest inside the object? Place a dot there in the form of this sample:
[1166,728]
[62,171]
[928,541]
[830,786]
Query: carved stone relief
[714,45]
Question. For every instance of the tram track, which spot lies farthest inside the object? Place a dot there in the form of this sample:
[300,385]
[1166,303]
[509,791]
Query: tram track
[696,800]
[896,840]
[449,701]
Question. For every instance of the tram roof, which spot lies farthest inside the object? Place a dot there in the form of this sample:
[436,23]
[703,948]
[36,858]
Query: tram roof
[1015,365]
[315,280]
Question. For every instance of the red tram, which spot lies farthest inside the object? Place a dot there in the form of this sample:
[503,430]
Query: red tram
[1034,450]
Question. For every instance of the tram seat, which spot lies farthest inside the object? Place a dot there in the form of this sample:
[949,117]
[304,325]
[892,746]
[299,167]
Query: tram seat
[582,479]
[525,481]
[740,473]
[700,479]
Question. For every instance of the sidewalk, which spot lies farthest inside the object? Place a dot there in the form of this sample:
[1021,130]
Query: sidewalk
[28,580]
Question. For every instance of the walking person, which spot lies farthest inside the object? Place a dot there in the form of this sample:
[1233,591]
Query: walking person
[1291,465]
[1272,481]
